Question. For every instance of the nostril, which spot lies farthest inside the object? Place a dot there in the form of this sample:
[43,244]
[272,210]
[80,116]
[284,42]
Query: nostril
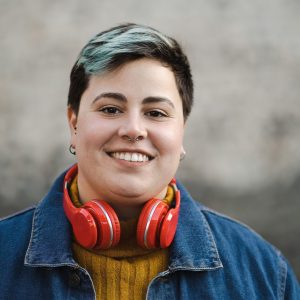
[133,139]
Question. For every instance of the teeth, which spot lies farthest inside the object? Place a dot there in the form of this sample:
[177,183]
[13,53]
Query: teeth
[128,156]
[134,157]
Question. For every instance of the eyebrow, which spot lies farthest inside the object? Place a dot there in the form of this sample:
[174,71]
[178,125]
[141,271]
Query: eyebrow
[116,96]
[122,98]
[155,99]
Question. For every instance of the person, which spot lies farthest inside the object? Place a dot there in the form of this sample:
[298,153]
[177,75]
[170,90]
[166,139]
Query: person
[117,225]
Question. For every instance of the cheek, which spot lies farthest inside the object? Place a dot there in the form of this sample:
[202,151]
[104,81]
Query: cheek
[94,132]
[170,140]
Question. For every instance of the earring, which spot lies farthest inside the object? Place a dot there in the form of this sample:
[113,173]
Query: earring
[182,154]
[72,150]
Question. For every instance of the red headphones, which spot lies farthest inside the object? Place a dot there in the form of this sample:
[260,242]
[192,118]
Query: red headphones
[96,225]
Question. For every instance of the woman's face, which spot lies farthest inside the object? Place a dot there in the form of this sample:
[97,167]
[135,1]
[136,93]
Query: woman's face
[139,100]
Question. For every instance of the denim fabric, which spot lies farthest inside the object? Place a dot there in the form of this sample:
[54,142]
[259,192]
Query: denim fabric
[211,257]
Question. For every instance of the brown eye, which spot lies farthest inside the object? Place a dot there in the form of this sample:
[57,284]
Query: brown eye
[156,114]
[111,110]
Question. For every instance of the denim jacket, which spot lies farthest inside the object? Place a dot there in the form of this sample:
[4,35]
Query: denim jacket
[211,257]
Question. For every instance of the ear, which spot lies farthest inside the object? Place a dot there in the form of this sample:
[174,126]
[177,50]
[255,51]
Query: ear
[182,153]
[72,120]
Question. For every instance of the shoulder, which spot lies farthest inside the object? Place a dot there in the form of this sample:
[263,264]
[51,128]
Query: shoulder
[240,262]
[243,251]
[18,219]
[21,222]
[245,255]
[15,231]
[228,229]
[232,238]
[236,238]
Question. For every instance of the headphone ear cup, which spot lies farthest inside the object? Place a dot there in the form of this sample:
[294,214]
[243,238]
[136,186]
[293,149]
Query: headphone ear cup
[149,224]
[168,228]
[84,228]
[107,222]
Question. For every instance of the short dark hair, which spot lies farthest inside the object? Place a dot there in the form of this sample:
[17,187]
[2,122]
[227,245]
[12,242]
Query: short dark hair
[114,47]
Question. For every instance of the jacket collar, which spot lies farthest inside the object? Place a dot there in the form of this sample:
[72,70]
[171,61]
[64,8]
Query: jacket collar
[193,248]
[51,236]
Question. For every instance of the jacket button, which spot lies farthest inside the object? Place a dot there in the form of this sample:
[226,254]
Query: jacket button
[74,279]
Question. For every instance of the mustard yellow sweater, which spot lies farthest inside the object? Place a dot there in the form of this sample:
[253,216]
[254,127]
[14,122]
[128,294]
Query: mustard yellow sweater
[125,271]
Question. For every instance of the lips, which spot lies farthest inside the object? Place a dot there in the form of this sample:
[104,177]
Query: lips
[131,156]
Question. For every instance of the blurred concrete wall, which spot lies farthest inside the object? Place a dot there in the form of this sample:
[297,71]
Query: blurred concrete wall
[243,138]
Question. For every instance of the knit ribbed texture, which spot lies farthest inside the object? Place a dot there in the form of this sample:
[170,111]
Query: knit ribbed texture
[125,271]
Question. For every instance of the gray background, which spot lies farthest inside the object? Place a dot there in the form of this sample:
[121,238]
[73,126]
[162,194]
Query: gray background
[242,139]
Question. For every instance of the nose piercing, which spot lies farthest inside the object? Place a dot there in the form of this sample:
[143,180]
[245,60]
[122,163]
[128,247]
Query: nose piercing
[133,140]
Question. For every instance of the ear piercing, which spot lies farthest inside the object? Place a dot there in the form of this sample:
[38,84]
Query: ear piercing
[72,150]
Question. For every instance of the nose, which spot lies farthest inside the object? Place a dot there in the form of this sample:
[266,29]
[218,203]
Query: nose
[133,128]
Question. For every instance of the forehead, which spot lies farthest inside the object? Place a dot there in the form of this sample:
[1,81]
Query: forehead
[138,78]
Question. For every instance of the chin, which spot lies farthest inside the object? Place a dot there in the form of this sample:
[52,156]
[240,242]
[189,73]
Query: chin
[137,192]
[130,192]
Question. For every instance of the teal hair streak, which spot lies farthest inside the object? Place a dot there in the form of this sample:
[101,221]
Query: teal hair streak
[98,55]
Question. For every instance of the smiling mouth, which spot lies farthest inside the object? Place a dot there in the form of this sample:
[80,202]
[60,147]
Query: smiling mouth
[130,156]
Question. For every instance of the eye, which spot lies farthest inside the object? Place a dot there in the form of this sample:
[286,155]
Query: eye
[110,110]
[156,114]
